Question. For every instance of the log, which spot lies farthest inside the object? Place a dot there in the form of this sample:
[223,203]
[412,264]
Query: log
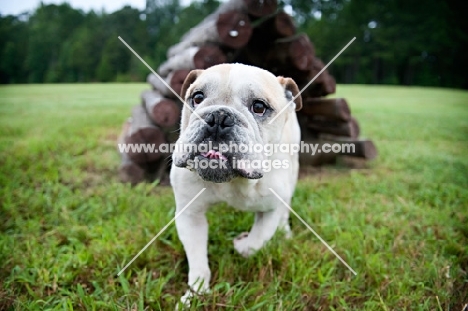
[142,131]
[162,111]
[289,55]
[256,8]
[323,125]
[231,29]
[331,108]
[323,85]
[329,85]
[234,29]
[263,38]
[363,148]
[283,25]
[317,159]
[160,171]
[193,58]
[259,8]
[174,79]
[130,172]
[178,78]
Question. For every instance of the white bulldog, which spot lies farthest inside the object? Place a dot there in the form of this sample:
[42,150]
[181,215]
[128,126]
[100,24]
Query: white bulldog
[232,105]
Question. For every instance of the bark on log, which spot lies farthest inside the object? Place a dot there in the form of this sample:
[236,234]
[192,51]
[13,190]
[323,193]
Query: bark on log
[346,129]
[162,111]
[174,79]
[331,108]
[231,29]
[142,131]
[193,58]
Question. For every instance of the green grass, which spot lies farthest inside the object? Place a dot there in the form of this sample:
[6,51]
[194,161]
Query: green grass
[68,226]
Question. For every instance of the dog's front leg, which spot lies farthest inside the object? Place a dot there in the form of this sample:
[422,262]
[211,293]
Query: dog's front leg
[262,231]
[193,233]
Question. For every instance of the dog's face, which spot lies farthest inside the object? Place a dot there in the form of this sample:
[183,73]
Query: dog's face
[235,104]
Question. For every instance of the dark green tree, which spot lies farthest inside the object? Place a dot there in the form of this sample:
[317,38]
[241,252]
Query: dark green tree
[13,49]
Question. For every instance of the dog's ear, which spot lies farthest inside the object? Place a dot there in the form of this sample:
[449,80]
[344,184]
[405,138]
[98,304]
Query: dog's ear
[291,90]
[191,77]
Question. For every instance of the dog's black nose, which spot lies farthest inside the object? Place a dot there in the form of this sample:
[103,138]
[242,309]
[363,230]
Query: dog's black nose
[219,125]
[220,118]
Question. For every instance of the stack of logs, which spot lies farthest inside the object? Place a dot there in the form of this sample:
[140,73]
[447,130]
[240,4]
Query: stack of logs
[252,32]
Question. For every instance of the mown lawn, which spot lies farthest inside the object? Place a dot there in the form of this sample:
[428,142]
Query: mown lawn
[68,226]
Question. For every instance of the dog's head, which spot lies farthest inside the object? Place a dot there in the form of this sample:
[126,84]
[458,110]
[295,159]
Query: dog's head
[231,108]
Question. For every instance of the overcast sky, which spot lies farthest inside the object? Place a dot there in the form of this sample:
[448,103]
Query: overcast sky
[20,6]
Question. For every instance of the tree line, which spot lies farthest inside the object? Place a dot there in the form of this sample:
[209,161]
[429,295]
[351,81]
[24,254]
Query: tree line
[404,42]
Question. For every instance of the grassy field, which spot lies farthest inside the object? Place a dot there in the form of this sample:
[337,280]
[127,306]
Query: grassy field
[68,226]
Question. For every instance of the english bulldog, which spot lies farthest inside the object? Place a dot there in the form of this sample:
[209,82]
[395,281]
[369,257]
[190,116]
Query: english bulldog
[232,105]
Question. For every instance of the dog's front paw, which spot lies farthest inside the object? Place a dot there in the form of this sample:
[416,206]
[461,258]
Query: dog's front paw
[196,289]
[184,302]
[244,245]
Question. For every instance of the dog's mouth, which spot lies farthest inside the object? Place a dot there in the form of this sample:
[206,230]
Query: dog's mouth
[212,154]
[218,167]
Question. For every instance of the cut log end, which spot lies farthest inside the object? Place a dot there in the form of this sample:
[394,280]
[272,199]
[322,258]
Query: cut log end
[166,113]
[259,8]
[332,108]
[302,53]
[366,149]
[284,25]
[363,148]
[324,125]
[208,56]
[161,111]
[178,79]
[148,136]
[234,29]
[329,85]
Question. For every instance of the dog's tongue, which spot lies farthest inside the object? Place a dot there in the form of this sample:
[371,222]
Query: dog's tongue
[213,155]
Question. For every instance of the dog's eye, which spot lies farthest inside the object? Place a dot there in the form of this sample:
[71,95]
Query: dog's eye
[258,107]
[197,98]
